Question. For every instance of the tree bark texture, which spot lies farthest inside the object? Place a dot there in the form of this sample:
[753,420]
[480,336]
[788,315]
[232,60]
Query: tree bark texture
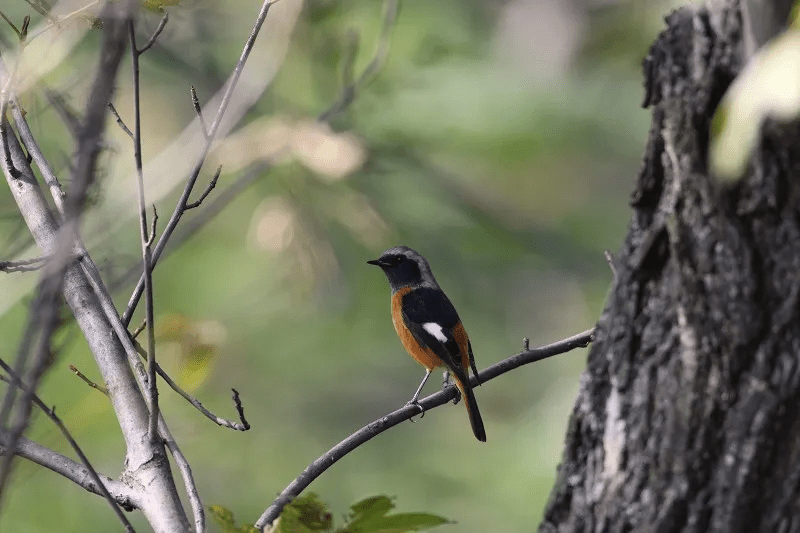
[688,416]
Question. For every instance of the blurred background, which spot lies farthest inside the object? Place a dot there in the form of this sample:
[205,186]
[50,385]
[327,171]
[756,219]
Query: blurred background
[499,138]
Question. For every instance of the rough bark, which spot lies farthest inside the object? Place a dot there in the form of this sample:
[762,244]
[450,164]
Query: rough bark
[688,415]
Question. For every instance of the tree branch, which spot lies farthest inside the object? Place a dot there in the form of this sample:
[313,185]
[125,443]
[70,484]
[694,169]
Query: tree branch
[73,471]
[320,465]
[147,256]
[350,90]
[10,443]
[180,208]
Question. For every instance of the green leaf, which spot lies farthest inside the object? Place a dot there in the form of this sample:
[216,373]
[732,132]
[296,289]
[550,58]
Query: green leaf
[306,514]
[370,516]
[225,520]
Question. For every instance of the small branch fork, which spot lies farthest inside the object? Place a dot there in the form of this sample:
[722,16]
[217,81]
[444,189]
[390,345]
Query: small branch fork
[242,425]
[147,254]
[23,265]
[181,206]
[51,413]
[371,430]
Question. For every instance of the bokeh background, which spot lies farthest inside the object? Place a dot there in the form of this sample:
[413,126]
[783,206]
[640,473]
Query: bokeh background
[499,138]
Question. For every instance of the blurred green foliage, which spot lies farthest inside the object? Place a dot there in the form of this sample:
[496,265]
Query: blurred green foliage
[500,139]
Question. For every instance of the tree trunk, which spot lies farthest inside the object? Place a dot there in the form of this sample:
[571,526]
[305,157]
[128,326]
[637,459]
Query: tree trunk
[688,417]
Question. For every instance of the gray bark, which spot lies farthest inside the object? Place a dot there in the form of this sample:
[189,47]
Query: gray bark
[688,415]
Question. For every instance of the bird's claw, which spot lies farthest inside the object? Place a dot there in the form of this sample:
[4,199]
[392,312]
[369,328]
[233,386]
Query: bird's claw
[457,397]
[416,404]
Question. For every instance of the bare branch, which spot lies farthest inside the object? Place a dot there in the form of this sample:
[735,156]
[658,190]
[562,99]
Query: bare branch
[73,471]
[199,111]
[30,144]
[161,25]
[147,256]
[11,442]
[90,136]
[88,381]
[180,208]
[186,473]
[23,265]
[153,226]
[349,92]
[121,122]
[43,320]
[139,329]
[211,185]
[10,23]
[320,465]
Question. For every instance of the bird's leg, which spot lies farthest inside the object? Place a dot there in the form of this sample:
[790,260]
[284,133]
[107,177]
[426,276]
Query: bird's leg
[446,383]
[413,400]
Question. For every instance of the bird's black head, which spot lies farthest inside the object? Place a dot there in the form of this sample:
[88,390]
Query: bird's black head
[405,268]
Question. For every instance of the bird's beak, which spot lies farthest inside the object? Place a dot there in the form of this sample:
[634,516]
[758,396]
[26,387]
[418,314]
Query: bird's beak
[377,262]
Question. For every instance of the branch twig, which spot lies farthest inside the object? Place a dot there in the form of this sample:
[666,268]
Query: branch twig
[199,111]
[242,425]
[147,255]
[150,42]
[51,413]
[350,90]
[211,185]
[23,265]
[119,120]
[180,208]
[88,381]
[320,465]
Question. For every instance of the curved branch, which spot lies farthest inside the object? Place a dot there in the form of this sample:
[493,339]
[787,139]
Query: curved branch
[320,465]
[73,471]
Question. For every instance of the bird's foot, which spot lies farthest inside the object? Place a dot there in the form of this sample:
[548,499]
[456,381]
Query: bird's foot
[416,404]
[457,397]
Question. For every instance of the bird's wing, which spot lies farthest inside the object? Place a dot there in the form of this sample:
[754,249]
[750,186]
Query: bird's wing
[434,323]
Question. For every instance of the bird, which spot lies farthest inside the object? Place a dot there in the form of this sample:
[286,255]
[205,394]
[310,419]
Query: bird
[428,325]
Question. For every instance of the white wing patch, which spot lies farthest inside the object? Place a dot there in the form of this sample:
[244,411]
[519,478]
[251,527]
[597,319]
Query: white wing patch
[436,330]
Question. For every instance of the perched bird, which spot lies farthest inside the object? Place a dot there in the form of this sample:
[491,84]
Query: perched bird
[428,325]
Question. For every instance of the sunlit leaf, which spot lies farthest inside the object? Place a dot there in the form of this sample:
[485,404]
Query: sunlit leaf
[768,87]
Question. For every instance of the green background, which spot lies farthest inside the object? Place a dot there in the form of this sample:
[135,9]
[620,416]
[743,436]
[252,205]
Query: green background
[500,139]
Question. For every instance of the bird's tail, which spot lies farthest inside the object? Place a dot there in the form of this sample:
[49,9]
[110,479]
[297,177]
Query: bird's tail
[472,407]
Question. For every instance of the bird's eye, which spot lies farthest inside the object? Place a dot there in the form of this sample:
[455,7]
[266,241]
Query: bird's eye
[398,259]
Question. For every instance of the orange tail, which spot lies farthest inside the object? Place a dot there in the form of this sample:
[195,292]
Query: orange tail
[472,408]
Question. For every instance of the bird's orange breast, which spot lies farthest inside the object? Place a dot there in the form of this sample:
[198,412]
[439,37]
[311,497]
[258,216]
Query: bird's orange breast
[423,355]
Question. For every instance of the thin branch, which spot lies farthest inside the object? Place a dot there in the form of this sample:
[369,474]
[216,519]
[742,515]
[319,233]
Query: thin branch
[186,473]
[51,413]
[349,92]
[43,11]
[180,208]
[23,265]
[161,25]
[198,110]
[320,465]
[88,381]
[242,425]
[121,122]
[13,27]
[211,185]
[153,226]
[139,329]
[73,471]
[43,320]
[147,254]
[30,144]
